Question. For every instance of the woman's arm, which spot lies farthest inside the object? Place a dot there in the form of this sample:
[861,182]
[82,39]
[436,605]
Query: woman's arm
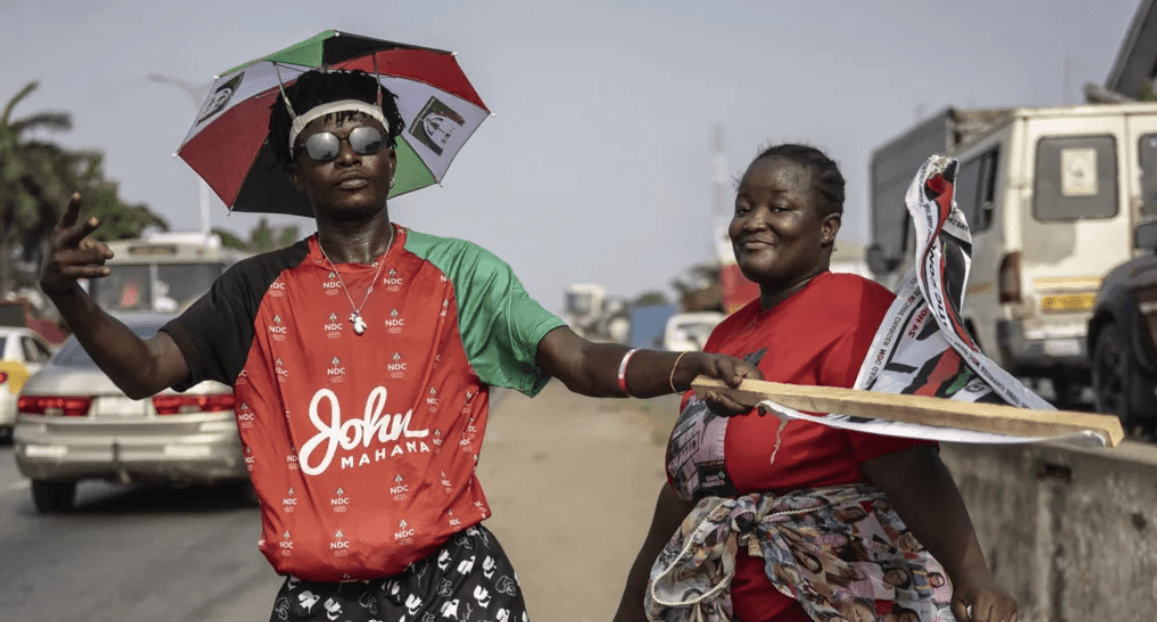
[670,511]
[925,496]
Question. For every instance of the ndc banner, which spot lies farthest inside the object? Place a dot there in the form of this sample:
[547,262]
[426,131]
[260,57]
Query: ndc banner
[922,347]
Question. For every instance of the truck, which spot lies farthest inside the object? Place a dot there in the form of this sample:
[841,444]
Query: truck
[1051,196]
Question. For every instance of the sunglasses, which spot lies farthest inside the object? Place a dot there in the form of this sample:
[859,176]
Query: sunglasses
[324,146]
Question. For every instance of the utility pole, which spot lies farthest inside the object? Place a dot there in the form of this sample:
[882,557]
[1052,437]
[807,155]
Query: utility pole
[720,191]
[197,94]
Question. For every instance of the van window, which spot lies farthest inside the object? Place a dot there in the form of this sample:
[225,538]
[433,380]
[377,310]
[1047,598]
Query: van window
[1076,178]
[976,189]
[1147,152]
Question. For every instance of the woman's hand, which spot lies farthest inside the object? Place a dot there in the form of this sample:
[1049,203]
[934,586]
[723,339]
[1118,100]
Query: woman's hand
[976,597]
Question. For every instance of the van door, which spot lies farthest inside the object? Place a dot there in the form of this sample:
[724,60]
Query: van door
[1076,226]
[1141,150]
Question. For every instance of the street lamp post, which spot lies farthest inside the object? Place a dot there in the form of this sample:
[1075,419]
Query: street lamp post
[197,95]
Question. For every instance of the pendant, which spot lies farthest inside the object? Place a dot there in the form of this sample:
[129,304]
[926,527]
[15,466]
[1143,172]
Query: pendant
[358,323]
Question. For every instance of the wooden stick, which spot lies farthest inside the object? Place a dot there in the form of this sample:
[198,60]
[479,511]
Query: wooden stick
[998,419]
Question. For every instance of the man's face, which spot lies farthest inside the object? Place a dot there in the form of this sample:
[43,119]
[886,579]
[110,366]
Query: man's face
[352,186]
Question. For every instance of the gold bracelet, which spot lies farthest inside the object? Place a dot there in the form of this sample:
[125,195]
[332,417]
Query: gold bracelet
[679,358]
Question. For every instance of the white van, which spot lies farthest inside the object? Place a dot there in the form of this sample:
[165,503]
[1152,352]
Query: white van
[1052,196]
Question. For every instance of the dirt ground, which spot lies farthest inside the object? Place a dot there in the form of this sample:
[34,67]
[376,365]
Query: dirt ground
[572,482]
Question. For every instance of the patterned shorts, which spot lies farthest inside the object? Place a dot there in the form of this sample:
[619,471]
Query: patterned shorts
[468,579]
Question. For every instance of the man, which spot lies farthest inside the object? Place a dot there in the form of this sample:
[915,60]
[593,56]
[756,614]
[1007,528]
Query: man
[361,360]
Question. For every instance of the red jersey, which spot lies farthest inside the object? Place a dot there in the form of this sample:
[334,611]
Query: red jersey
[819,336]
[362,448]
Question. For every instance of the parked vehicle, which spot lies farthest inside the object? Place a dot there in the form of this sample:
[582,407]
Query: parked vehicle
[20,314]
[73,424]
[1052,196]
[689,331]
[1122,339]
[22,353]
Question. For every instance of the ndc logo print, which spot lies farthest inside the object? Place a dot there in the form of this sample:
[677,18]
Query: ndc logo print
[277,288]
[291,459]
[333,327]
[221,98]
[282,373]
[394,324]
[286,544]
[340,546]
[290,502]
[335,372]
[339,502]
[435,124]
[277,330]
[331,285]
[245,416]
[397,369]
[405,533]
[392,281]
[400,490]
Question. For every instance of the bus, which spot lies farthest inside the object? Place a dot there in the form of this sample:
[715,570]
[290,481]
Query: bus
[161,272]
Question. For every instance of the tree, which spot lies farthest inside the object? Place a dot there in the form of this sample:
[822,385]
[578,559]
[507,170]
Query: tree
[262,238]
[36,179]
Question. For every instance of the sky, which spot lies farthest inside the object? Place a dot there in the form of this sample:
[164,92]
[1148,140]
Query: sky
[598,164]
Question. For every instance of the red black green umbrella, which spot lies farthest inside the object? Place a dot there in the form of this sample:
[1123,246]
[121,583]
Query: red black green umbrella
[227,143]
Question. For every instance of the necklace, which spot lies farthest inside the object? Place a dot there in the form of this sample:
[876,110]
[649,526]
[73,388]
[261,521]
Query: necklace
[356,317]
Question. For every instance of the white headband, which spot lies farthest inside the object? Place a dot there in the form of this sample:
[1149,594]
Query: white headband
[344,105]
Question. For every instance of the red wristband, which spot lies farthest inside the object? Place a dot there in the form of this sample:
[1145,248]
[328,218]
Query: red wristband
[623,372]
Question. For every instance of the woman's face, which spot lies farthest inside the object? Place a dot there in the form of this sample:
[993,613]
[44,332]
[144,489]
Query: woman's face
[908,543]
[857,611]
[777,233]
[896,577]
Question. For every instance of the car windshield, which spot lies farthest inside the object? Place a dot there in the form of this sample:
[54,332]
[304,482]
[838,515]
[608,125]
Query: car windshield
[72,354]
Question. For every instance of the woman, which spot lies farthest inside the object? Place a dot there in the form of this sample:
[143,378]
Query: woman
[750,496]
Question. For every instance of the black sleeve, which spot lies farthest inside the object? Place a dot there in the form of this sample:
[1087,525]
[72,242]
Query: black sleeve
[216,332]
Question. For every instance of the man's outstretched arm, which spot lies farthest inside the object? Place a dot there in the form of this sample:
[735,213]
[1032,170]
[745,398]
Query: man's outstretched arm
[140,367]
[592,368]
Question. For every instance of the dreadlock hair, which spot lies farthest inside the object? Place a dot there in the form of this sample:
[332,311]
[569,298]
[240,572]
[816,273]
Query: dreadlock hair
[314,88]
[826,177]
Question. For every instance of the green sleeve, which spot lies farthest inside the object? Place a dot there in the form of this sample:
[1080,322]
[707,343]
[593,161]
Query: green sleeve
[500,324]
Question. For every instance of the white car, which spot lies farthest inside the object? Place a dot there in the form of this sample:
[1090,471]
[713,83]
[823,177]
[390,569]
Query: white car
[22,353]
[689,331]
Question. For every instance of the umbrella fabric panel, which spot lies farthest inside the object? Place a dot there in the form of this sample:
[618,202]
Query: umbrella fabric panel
[222,152]
[439,70]
[237,88]
[308,52]
[411,173]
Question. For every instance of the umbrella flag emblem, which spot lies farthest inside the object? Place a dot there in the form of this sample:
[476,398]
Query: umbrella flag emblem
[434,125]
[220,97]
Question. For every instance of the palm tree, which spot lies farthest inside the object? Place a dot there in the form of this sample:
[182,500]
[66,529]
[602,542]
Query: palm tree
[36,179]
[32,173]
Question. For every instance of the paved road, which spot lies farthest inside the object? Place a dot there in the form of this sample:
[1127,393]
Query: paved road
[129,554]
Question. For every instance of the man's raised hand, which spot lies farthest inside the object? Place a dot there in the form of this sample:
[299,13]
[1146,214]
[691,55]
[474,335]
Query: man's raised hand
[71,254]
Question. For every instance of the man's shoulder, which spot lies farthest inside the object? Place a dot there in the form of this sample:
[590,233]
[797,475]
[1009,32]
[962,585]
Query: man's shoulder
[451,254]
[272,263]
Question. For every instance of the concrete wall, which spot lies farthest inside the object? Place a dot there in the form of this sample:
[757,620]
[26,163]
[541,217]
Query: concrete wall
[1072,532]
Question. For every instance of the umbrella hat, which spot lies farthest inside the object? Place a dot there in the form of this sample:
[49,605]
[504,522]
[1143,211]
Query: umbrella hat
[227,144]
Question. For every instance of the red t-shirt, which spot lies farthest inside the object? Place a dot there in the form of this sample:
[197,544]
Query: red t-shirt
[819,336]
[362,448]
